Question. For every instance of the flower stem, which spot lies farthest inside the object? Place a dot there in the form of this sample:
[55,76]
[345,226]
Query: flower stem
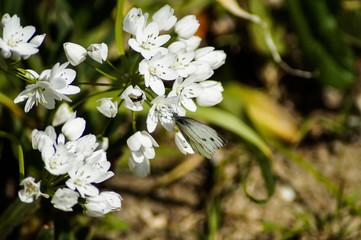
[81,101]
[112,66]
[105,74]
[98,84]
[134,122]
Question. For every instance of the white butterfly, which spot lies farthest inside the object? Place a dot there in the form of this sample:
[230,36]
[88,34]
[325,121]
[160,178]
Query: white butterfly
[202,138]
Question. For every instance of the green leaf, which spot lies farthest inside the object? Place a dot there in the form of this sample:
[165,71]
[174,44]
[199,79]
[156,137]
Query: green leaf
[323,42]
[16,214]
[267,174]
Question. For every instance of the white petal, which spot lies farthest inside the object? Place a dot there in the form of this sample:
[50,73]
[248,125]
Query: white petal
[74,128]
[75,53]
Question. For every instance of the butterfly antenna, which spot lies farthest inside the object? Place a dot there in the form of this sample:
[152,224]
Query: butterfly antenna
[178,103]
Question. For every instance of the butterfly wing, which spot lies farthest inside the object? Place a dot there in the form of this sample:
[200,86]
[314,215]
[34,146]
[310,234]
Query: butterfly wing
[202,138]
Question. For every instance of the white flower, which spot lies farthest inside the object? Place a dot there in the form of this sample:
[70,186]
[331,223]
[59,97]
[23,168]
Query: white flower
[182,144]
[157,69]
[186,89]
[40,92]
[215,59]
[58,159]
[105,202]
[113,198]
[134,98]
[162,109]
[81,179]
[15,41]
[164,17]
[191,43]
[139,169]
[133,20]
[203,70]
[61,78]
[107,107]
[99,161]
[50,85]
[187,26]
[147,41]
[141,150]
[75,53]
[39,140]
[62,114]
[177,47]
[211,94]
[141,146]
[64,199]
[84,146]
[183,63]
[74,128]
[31,190]
[98,52]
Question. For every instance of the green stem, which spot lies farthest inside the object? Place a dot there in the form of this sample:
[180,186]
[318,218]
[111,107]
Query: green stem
[105,74]
[81,101]
[134,122]
[112,66]
[98,84]
[105,127]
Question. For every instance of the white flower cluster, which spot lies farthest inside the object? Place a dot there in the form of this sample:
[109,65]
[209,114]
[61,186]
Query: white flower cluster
[175,78]
[77,159]
[182,62]
[15,42]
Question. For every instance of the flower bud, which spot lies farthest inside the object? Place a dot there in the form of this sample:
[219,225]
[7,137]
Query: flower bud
[75,53]
[211,94]
[215,59]
[107,107]
[164,17]
[187,26]
[133,20]
[62,114]
[74,128]
[98,52]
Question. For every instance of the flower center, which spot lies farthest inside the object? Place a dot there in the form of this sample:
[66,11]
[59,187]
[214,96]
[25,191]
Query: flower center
[12,42]
[15,39]
[30,189]
[153,70]
[149,42]
[53,164]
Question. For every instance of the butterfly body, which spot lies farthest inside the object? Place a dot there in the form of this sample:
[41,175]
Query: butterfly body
[203,139]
